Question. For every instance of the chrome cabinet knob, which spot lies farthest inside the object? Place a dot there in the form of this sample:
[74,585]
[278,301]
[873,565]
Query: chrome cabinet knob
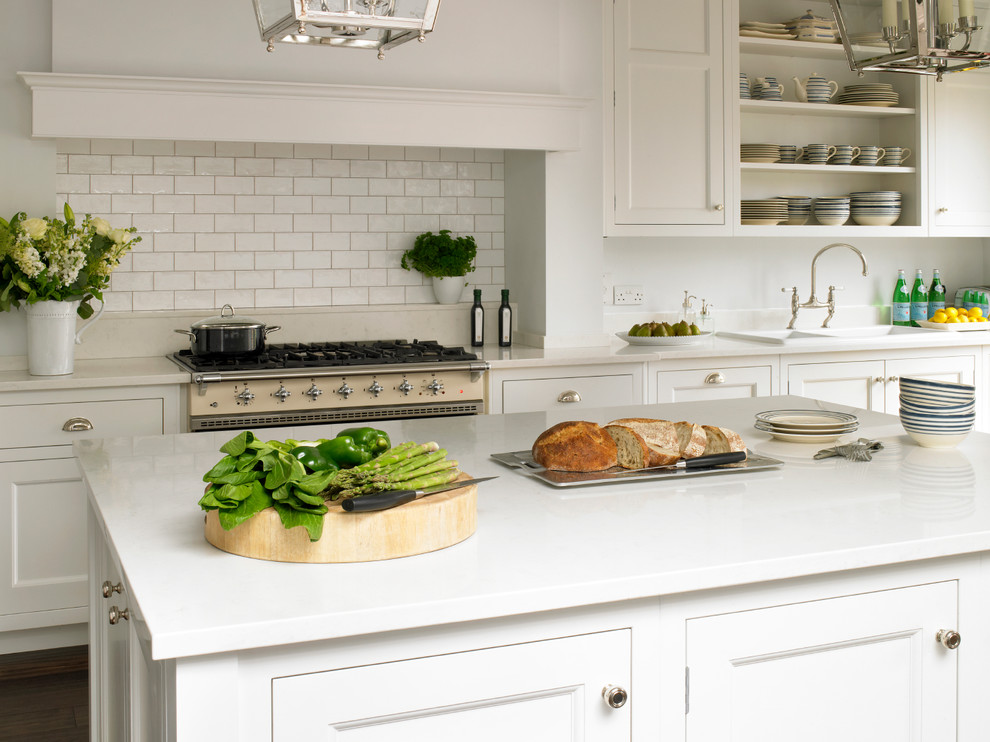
[948,638]
[715,377]
[615,696]
[878,380]
[941,210]
[569,396]
[116,614]
[435,386]
[244,397]
[719,207]
[313,392]
[108,588]
[405,387]
[344,391]
[282,393]
[77,424]
[893,378]
[376,388]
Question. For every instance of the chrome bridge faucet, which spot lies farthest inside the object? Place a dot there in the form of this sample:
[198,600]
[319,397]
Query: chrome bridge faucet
[813,302]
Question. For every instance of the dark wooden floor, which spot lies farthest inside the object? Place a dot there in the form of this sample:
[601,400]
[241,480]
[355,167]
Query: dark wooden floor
[44,696]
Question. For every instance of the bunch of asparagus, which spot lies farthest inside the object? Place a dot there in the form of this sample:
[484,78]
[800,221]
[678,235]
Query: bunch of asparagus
[409,465]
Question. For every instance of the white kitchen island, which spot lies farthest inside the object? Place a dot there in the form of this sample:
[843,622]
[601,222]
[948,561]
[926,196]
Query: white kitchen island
[801,602]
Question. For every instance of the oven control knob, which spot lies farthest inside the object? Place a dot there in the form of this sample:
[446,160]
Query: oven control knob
[244,397]
[435,386]
[405,387]
[376,388]
[344,390]
[282,393]
[313,392]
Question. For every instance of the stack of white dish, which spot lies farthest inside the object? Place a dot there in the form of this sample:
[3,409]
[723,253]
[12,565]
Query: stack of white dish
[875,208]
[810,27]
[937,414]
[759,152]
[763,211]
[833,211]
[744,86]
[798,209]
[806,426]
[869,94]
[765,30]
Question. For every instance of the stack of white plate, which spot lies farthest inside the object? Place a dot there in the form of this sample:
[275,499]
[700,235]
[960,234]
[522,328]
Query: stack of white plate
[763,211]
[759,152]
[832,211]
[765,30]
[937,414]
[806,426]
[875,208]
[869,94]
[810,27]
[744,86]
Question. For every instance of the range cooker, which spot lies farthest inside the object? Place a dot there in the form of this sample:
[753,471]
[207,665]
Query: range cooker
[312,383]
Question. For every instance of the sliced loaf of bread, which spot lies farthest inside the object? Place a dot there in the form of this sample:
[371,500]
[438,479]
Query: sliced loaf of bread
[635,452]
[659,433]
[691,439]
[722,440]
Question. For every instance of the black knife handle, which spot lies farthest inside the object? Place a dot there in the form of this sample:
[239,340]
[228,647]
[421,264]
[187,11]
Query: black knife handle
[715,459]
[378,501]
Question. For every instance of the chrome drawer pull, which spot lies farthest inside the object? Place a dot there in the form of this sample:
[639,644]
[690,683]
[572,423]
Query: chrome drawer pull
[716,377]
[615,696]
[77,424]
[116,614]
[948,638]
[108,588]
[569,396]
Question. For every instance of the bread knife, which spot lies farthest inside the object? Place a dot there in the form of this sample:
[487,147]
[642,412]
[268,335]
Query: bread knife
[394,498]
[700,462]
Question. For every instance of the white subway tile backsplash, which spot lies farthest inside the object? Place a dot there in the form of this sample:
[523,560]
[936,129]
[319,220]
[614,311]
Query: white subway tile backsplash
[280,224]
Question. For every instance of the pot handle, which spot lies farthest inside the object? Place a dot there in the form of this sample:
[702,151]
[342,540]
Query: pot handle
[273,328]
[90,321]
[192,335]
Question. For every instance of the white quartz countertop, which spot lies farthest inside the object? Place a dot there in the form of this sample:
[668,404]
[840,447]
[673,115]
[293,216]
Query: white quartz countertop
[537,547]
[113,372]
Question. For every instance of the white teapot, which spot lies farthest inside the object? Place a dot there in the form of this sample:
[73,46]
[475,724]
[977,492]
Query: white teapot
[815,89]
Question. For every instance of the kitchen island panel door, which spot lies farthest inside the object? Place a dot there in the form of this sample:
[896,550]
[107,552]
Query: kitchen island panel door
[42,543]
[548,690]
[859,668]
[854,383]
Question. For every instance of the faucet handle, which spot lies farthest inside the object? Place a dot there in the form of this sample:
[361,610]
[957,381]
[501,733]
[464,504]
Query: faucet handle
[833,289]
[792,289]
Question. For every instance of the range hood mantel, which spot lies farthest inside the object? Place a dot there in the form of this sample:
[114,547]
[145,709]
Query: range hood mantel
[126,107]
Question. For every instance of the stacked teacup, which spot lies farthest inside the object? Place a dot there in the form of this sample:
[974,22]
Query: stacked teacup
[937,414]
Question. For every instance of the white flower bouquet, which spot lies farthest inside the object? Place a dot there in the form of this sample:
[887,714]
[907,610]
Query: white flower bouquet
[54,260]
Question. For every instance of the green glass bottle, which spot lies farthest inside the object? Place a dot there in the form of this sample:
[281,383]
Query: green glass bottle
[936,294]
[919,300]
[901,311]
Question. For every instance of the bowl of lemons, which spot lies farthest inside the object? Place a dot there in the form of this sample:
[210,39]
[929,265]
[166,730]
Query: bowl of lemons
[957,319]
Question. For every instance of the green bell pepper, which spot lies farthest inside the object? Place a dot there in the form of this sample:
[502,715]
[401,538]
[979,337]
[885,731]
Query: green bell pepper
[313,459]
[344,452]
[373,440]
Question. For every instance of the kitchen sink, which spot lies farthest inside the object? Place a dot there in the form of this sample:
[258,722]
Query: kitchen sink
[786,337]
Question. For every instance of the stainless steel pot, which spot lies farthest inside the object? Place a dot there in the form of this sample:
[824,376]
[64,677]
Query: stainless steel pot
[226,335]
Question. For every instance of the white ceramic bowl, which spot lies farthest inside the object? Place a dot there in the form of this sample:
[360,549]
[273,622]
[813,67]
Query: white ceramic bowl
[919,408]
[929,440]
[932,385]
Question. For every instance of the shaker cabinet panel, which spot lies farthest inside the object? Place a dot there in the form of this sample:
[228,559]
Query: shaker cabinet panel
[853,383]
[666,153]
[859,668]
[714,383]
[546,690]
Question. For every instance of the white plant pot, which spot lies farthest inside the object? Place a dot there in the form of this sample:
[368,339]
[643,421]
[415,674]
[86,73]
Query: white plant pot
[52,336]
[448,290]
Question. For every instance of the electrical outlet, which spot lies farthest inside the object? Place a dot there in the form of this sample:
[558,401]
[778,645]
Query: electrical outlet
[628,295]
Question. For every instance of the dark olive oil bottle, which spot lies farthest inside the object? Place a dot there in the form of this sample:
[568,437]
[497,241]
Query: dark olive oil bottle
[505,321]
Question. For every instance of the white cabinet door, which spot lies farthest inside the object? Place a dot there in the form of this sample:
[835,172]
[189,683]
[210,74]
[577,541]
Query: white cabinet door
[960,202]
[669,159]
[528,395]
[713,383]
[853,383]
[549,691]
[859,669]
[42,542]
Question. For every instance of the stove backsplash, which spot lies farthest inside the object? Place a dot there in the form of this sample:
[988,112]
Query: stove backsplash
[282,225]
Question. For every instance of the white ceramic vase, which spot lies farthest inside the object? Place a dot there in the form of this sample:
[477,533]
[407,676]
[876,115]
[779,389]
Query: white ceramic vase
[52,336]
[448,289]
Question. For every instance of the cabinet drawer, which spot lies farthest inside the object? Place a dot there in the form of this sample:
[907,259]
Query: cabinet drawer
[688,385]
[25,426]
[529,395]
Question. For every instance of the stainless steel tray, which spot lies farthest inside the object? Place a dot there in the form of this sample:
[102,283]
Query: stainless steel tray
[523,462]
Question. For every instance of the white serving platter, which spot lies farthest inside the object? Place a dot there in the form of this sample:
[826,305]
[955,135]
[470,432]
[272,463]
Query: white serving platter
[954,326]
[677,340]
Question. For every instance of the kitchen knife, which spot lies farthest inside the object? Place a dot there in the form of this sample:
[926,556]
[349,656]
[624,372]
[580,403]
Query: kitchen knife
[392,498]
[700,462]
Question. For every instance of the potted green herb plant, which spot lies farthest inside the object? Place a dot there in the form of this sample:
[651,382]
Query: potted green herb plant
[445,259]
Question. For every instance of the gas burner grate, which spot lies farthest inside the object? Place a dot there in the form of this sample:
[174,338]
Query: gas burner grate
[331,354]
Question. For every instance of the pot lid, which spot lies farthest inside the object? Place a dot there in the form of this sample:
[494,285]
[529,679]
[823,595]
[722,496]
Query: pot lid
[227,321]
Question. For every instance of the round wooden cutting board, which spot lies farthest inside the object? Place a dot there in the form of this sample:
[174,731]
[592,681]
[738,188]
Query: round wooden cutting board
[427,524]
